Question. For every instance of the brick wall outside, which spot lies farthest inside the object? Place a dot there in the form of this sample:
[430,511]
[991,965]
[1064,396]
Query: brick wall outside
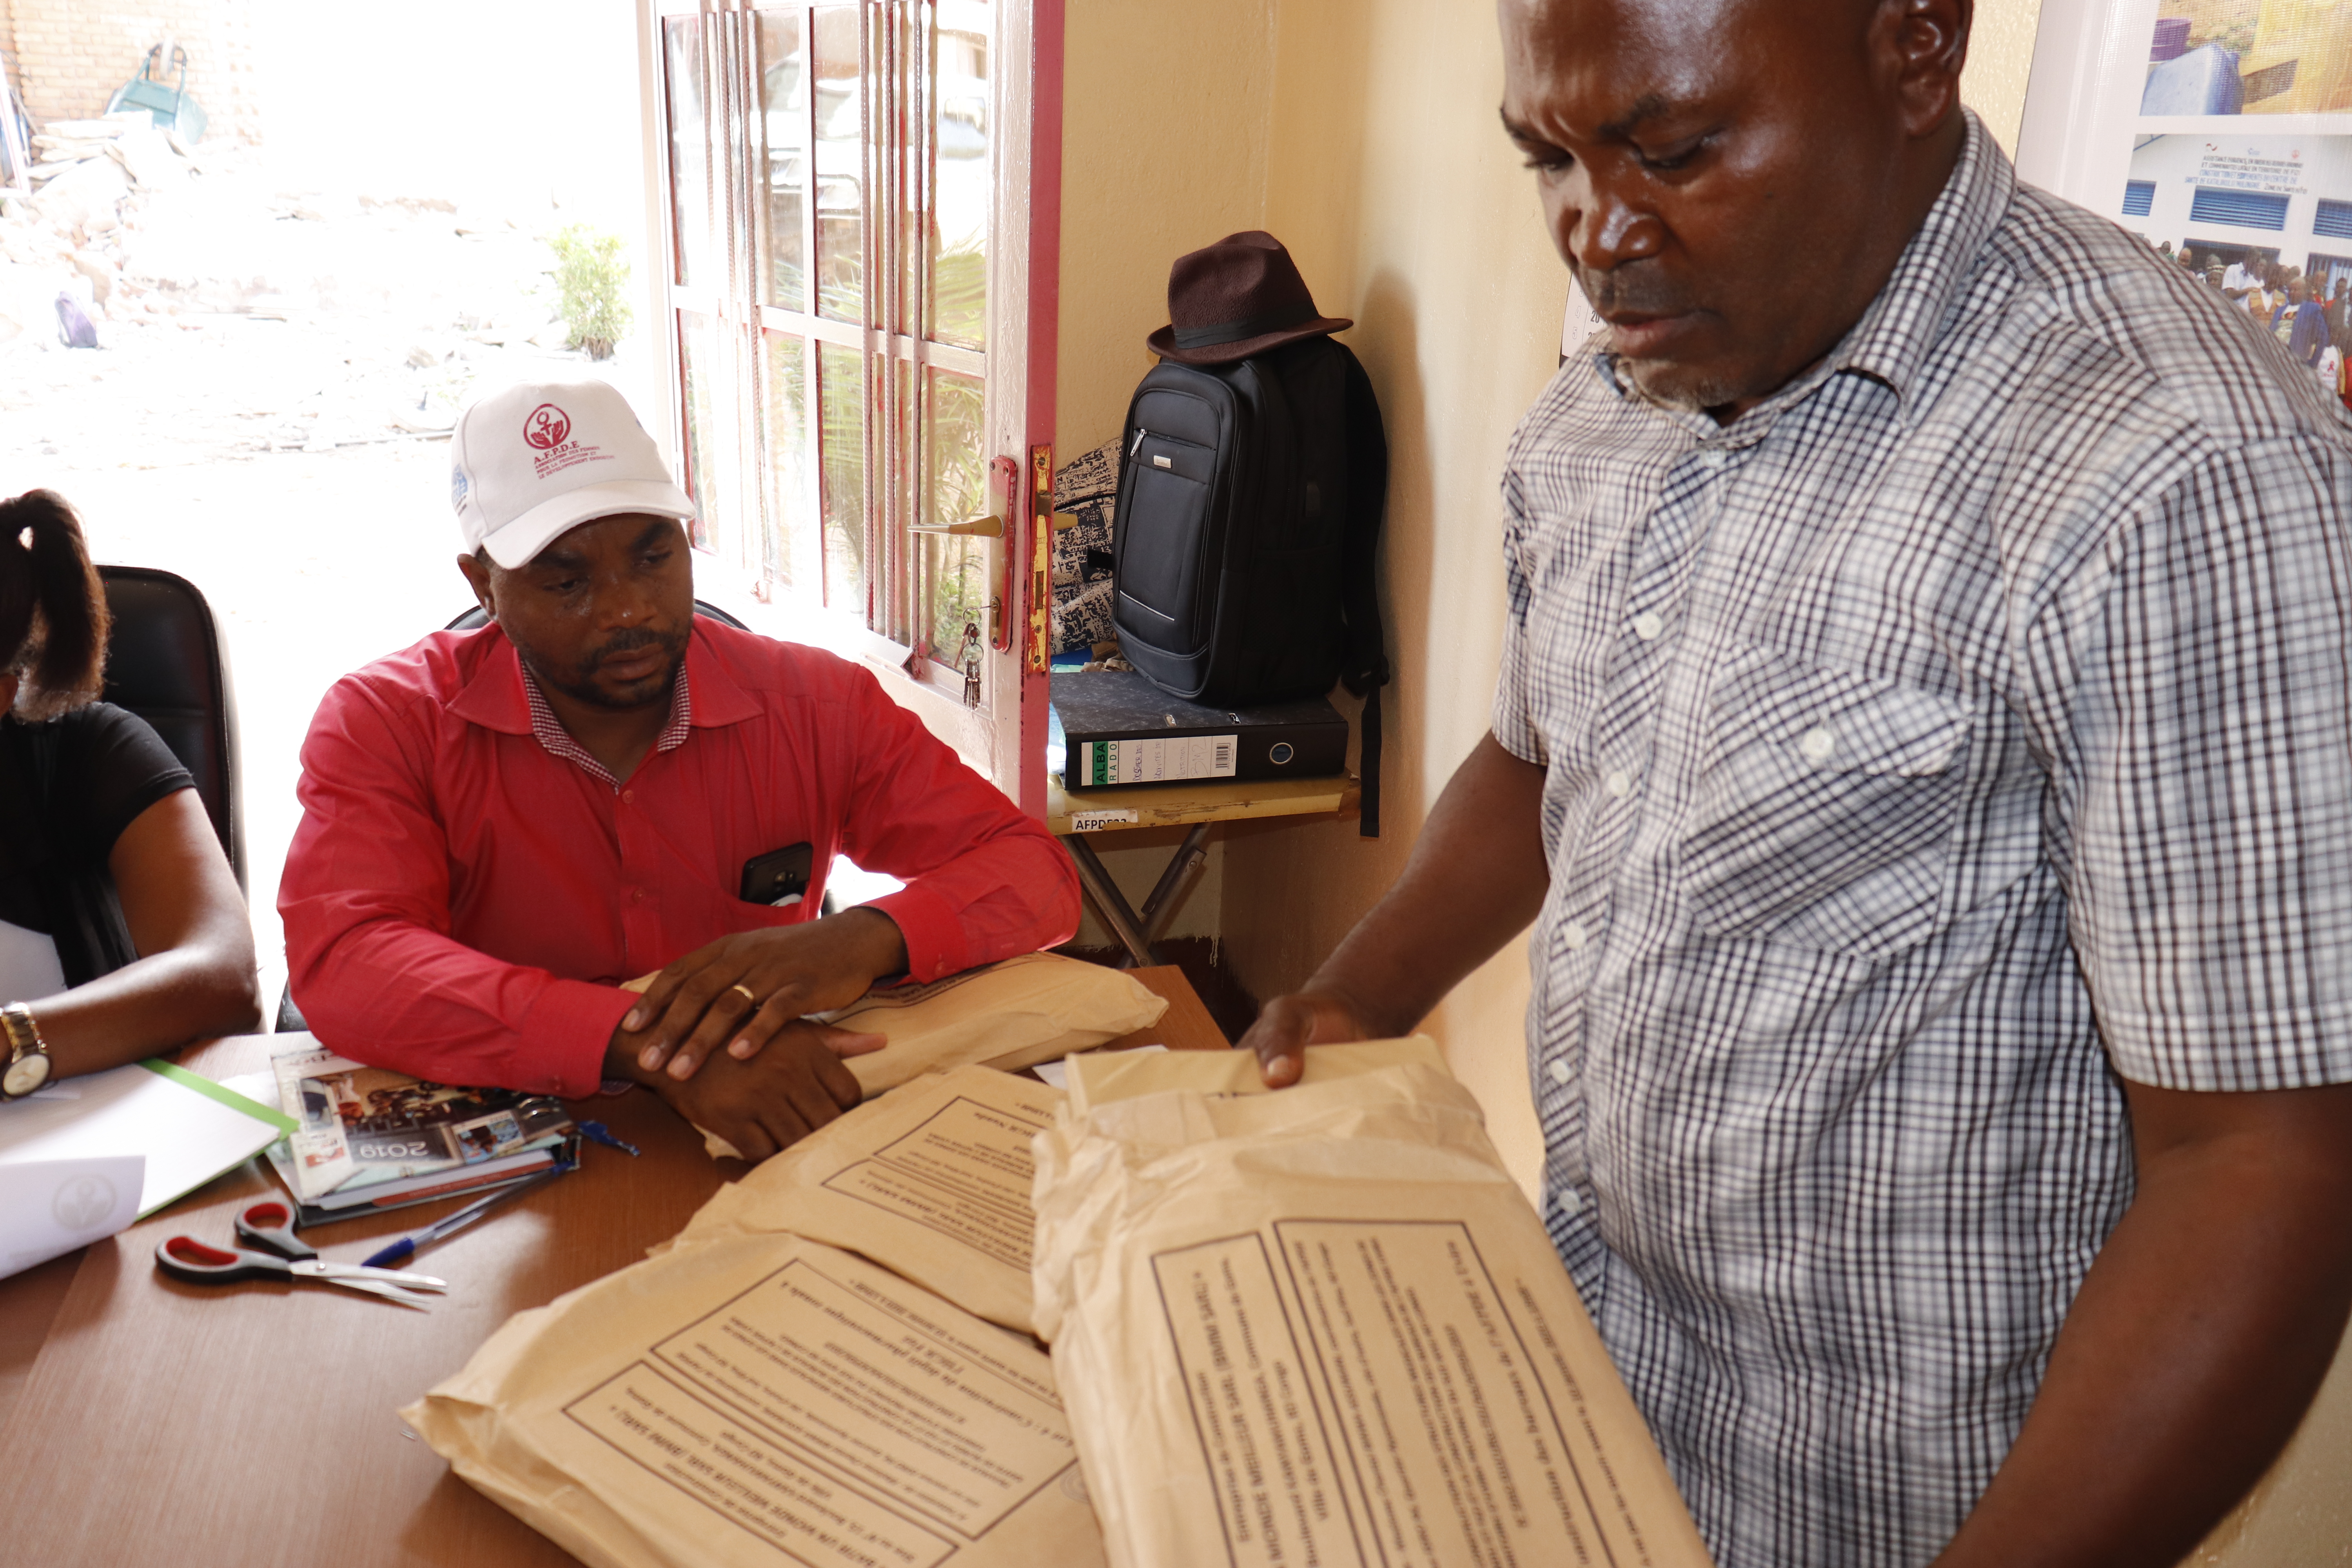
[71,54]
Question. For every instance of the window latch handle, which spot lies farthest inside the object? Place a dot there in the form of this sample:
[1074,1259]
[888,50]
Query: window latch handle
[990,527]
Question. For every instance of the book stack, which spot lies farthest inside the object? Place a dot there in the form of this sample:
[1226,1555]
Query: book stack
[368,1139]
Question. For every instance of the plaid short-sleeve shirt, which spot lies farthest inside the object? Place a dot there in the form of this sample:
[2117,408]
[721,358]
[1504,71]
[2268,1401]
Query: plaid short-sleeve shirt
[1968,725]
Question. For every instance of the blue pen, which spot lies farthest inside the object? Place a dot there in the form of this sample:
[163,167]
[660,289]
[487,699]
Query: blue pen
[407,1246]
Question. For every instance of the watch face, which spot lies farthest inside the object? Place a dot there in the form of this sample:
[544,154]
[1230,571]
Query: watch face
[25,1075]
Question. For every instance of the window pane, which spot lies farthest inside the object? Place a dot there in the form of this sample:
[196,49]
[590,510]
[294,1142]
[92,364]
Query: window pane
[840,163]
[783,104]
[955,487]
[689,152]
[961,177]
[900,621]
[697,360]
[840,394]
[791,544]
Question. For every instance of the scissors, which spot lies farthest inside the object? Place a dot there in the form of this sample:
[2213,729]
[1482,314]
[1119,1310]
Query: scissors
[275,1253]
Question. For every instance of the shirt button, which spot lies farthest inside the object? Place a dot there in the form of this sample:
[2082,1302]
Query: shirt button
[628,797]
[1648,624]
[1817,744]
[1619,784]
[636,895]
[1559,1073]
[1575,936]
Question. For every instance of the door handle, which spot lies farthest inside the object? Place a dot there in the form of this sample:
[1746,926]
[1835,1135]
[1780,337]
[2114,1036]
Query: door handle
[990,527]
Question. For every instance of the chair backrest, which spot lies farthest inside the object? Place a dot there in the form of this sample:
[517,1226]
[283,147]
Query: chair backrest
[165,662]
[474,618]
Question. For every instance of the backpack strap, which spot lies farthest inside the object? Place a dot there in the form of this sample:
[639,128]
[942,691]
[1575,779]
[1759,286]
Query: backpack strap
[1367,667]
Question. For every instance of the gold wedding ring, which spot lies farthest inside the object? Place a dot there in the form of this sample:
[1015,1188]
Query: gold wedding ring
[739,986]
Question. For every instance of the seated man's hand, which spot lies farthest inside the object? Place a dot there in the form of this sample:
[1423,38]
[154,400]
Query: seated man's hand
[1286,1026]
[765,1102]
[743,990]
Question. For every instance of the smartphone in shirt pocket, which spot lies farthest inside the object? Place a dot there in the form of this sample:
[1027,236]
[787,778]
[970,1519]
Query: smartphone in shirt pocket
[780,879]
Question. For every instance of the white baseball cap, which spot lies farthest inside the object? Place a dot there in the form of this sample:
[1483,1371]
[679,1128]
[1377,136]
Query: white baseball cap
[535,460]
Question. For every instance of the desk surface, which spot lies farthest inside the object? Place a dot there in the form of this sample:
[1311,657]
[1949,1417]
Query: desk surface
[147,1422]
[1111,807]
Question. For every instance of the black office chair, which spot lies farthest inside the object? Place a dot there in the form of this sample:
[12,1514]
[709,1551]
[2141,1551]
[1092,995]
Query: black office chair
[290,1018]
[165,662]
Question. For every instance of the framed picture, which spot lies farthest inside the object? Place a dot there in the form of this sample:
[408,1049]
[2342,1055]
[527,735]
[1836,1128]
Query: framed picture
[2219,130]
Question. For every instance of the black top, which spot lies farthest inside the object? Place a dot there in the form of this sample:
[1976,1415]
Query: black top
[106,767]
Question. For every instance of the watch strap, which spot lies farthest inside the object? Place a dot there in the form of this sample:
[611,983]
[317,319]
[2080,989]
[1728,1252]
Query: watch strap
[24,1040]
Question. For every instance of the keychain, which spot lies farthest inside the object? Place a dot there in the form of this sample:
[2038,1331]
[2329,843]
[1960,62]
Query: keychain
[970,658]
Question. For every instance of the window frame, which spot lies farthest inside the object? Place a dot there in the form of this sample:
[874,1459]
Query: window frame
[1004,737]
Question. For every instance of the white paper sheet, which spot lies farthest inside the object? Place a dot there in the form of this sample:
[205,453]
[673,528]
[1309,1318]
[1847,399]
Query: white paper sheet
[188,1135]
[1057,1073]
[49,1206]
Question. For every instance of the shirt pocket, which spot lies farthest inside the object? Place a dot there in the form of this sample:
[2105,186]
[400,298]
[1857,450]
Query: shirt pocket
[1825,808]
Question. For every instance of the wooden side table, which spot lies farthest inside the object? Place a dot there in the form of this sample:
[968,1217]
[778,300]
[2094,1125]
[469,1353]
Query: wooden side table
[1075,815]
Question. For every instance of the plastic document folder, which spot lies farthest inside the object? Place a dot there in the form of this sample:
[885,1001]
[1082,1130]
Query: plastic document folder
[67,1153]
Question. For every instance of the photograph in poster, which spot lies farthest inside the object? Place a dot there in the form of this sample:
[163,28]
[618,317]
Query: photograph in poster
[2265,220]
[2219,132]
[2249,57]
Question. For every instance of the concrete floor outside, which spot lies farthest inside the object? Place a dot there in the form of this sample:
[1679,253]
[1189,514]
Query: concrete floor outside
[258,417]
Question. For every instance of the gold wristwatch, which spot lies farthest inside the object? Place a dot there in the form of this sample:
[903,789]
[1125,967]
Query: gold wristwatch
[28,1055]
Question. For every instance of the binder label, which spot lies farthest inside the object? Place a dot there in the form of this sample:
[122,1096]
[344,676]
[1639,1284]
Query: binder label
[1158,761]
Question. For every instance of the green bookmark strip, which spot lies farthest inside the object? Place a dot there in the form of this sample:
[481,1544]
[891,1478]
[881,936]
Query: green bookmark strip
[211,1091]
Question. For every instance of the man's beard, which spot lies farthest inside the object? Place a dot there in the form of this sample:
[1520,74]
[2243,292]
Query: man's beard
[1633,287]
[579,682]
[1663,380]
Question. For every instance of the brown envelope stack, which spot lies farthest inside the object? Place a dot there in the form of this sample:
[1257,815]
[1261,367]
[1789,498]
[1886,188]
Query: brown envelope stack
[751,1397]
[932,1180]
[1323,1325]
[759,1401]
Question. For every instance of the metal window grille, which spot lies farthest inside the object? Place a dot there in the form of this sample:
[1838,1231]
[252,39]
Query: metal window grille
[2239,209]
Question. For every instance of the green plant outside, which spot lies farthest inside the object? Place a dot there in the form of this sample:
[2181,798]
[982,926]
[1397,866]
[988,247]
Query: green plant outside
[591,277]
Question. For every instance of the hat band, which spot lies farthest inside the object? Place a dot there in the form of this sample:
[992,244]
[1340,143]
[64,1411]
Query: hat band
[1250,327]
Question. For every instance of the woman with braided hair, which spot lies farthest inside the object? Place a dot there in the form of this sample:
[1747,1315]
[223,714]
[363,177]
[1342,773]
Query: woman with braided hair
[121,930]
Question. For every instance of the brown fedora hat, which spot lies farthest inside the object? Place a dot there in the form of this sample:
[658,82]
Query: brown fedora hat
[1239,297]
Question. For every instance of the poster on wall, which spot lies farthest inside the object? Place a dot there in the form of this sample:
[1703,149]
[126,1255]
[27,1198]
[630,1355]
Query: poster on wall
[2218,131]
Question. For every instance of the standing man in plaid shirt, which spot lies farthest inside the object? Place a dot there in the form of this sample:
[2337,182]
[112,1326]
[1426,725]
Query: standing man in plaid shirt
[1924,748]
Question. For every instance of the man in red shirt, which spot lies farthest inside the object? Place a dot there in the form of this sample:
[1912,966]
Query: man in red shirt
[501,825]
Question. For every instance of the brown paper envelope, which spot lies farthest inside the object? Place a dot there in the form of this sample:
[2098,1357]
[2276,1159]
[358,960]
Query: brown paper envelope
[1325,1325]
[1104,1075]
[764,1402]
[932,1181]
[1034,1008]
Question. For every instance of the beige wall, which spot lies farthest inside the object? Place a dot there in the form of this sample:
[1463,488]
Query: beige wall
[1166,126]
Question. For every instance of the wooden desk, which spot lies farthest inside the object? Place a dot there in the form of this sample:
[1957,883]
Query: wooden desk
[147,1422]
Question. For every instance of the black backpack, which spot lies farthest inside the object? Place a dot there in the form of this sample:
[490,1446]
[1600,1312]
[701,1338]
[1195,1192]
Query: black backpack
[1243,544]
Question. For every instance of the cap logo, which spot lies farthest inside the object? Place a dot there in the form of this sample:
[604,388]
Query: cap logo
[547,430]
[547,427]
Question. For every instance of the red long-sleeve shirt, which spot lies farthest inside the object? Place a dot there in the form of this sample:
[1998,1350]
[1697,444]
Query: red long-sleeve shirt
[460,900]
